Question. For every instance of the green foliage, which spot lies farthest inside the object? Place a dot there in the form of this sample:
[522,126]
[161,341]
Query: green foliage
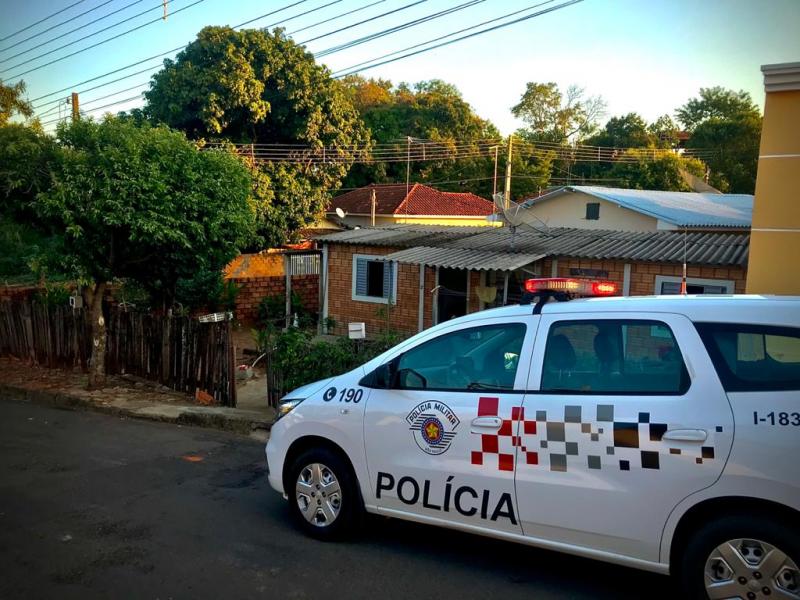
[627,131]
[428,111]
[27,158]
[662,173]
[12,102]
[146,204]
[301,359]
[272,311]
[253,86]
[729,123]
[207,290]
[53,294]
[715,103]
[552,116]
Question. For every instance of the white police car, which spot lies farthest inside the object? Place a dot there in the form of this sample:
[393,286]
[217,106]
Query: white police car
[660,433]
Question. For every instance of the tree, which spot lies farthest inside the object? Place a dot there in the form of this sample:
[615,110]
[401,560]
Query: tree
[663,172]
[11,102]
[627,131]
[144,203]
[551,116]
[664,132]
[715,102]
[437,118]
[728,124]
[253,86]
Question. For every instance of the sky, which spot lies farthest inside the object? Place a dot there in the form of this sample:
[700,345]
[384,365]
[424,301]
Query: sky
[645,56]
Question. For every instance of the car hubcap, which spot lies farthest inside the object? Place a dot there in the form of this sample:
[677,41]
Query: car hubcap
[319,496]
[750,569]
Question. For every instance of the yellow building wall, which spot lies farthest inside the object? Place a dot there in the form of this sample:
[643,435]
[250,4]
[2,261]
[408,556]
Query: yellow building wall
[774,266]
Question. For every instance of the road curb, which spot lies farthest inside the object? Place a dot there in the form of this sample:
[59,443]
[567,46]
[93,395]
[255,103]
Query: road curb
[222,418]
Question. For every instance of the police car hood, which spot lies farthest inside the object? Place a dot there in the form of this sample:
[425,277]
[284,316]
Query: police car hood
[304,391]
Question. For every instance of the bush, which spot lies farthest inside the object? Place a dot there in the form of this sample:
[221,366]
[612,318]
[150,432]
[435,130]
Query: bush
[298,359]
[272,312]
[207,290]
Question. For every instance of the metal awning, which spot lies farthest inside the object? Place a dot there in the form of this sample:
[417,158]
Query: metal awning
[463,258]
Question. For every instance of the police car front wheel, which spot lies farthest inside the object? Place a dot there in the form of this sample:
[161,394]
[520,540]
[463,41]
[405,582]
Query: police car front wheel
[325,501]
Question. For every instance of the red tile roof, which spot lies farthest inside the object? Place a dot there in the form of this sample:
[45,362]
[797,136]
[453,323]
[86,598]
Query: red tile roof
[391,199]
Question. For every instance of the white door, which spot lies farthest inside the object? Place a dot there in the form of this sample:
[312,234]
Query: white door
[439,438]
[630,420]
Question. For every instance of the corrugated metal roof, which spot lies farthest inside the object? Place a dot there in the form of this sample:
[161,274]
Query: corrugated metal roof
[683,209]
[461,258]
[702,248]
[401,236]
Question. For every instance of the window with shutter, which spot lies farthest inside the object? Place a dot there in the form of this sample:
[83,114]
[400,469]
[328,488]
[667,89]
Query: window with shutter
[374,280]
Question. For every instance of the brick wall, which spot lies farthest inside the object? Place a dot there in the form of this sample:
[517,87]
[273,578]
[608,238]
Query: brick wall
[643,274]
[252,290]
[343,309]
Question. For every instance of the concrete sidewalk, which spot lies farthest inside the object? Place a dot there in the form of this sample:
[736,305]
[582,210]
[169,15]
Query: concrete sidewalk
[128,397]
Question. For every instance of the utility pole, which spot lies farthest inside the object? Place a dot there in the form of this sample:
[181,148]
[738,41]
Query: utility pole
[408,163]
[507,194]
[75,112]
[494,187]
[373,202]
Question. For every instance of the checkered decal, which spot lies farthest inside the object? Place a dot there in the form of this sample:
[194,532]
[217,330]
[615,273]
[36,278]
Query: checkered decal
[636,443]
[491,443]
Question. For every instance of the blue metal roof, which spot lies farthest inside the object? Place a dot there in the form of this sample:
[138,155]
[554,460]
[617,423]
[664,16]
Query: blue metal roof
[682,209]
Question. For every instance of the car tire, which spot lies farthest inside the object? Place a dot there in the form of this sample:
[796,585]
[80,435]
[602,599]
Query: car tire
[324,499]
[747,542]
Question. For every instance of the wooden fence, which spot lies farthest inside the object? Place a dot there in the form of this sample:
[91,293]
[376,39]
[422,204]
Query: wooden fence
[178,352]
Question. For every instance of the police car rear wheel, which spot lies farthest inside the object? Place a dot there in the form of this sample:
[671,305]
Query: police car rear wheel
[739,557]
[325,502]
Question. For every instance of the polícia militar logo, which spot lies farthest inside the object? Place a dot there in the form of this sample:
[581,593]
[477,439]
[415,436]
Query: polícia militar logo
[433,425]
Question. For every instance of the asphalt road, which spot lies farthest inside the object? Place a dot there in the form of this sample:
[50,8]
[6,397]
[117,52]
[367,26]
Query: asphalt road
[93,506]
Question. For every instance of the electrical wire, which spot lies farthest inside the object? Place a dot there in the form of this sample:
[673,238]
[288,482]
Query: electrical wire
[511,14]
[395,29]
[50,16]
[380,16]
[468,36]
[297,16]
[57,25]
[288,6]
[117,103]
[95,45]
[350,12]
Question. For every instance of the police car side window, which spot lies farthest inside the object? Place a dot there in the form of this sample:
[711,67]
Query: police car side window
[751,358]
[474,359]
[613,357]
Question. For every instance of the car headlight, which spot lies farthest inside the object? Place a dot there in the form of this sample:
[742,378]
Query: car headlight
[287,405]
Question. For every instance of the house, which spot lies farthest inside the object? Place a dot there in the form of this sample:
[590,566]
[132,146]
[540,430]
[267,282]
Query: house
[428,274]
[591,207]
[415,204]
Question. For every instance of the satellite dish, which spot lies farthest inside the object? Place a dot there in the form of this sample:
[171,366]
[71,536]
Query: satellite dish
[494,218]
[340,213]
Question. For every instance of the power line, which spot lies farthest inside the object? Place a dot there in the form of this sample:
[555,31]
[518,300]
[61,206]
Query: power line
[288,6]
[57,25]
[50,16]
[118,102]
[139,62]
[350,12]
[380,16]
[395,29]
[297,16]
[95,45]
[471,35]
[85,37]
[443,36]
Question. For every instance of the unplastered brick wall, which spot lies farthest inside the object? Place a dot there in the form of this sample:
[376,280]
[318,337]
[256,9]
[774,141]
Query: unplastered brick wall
[643,274]
[252,290]
[343,309]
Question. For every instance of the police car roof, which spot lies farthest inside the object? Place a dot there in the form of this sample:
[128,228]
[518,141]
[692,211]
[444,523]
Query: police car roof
[706,307]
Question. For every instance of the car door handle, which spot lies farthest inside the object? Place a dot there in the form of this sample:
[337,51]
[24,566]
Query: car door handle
[487,422]
[686,435]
